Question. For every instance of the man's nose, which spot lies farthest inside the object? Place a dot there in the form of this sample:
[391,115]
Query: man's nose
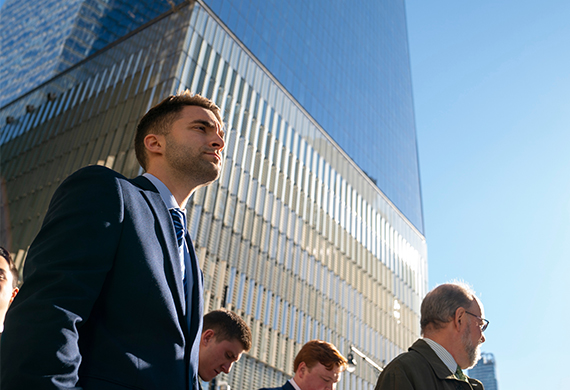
[226,367]
[482,338]
[218,141]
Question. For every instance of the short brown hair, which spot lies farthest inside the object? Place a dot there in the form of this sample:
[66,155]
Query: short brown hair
[160,117]
[227,325]
[11,265]
[441,303]
[318,351]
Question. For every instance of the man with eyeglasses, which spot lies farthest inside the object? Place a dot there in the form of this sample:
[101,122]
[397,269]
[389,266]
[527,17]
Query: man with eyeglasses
[452,327]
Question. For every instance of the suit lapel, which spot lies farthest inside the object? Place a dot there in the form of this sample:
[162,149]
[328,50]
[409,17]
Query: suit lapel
[196,308]
[167,236]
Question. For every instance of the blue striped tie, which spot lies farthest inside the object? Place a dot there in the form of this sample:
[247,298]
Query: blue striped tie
[177,218]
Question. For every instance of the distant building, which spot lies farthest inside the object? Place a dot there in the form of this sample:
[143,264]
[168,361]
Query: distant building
[39,45]
[485,371]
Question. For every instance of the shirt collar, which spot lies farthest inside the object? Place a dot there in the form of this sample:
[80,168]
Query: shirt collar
[443,354]
[165,194]
[294,384]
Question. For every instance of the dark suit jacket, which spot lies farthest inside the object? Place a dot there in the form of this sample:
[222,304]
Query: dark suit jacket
[101,306]
[286,386]
[421,369]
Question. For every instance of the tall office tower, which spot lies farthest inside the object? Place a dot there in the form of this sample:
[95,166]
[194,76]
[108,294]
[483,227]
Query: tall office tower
[347,64]
[314,229]
[326,54]
[40,39]
[485,371]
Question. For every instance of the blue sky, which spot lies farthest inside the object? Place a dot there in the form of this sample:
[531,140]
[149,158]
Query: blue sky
[492,100]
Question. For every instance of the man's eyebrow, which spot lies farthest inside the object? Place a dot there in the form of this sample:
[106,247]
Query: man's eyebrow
[330,377]
[204,122]
[209,124]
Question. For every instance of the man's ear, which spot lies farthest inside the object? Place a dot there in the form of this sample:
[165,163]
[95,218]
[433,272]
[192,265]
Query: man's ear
[207,337]
[14,292]
[154,143]
[459,317]
[301,369]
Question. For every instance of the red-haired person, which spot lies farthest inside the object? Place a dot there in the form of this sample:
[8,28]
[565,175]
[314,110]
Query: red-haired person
[318,366]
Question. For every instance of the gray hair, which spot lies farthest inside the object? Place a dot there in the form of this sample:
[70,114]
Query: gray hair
[441,303]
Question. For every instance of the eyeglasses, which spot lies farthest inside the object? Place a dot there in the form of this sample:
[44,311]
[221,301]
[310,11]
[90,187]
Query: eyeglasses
[485,322]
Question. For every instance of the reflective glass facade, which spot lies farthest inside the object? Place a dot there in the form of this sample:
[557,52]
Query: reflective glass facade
[36,46]
[347,63]
[294,236]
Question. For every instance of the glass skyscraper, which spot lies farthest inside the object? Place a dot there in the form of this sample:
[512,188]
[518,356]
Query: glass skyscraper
[311,231]
[40,39]
[485,371]
[347,63]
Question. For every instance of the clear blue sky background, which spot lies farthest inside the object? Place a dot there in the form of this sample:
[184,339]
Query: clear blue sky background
[492,99]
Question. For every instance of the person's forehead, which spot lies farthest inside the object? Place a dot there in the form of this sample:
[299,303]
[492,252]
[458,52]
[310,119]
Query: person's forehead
[233,346]
[477,307]
[190,113]
[321,370]
[4,264]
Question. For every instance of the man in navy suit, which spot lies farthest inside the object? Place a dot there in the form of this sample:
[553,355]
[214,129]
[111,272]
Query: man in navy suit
[112,292]
[317,366]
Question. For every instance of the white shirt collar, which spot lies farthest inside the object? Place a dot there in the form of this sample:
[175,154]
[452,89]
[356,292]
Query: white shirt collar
[443,354]
[165,194]
[294,384]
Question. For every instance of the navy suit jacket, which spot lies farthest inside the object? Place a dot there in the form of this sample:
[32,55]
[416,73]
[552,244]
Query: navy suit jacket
[286,386]
[102,304]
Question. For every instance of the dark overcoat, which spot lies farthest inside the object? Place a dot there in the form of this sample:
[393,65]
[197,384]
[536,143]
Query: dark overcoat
[421,369]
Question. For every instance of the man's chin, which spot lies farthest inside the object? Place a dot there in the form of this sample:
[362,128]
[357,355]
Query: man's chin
[207,378]
[475,357]
[207,178]
[215,171]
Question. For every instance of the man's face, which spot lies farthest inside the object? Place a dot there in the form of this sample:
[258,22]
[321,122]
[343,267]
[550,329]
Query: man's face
[473,337]
[193,146]
[217,356]
[7,291]
[317,377]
